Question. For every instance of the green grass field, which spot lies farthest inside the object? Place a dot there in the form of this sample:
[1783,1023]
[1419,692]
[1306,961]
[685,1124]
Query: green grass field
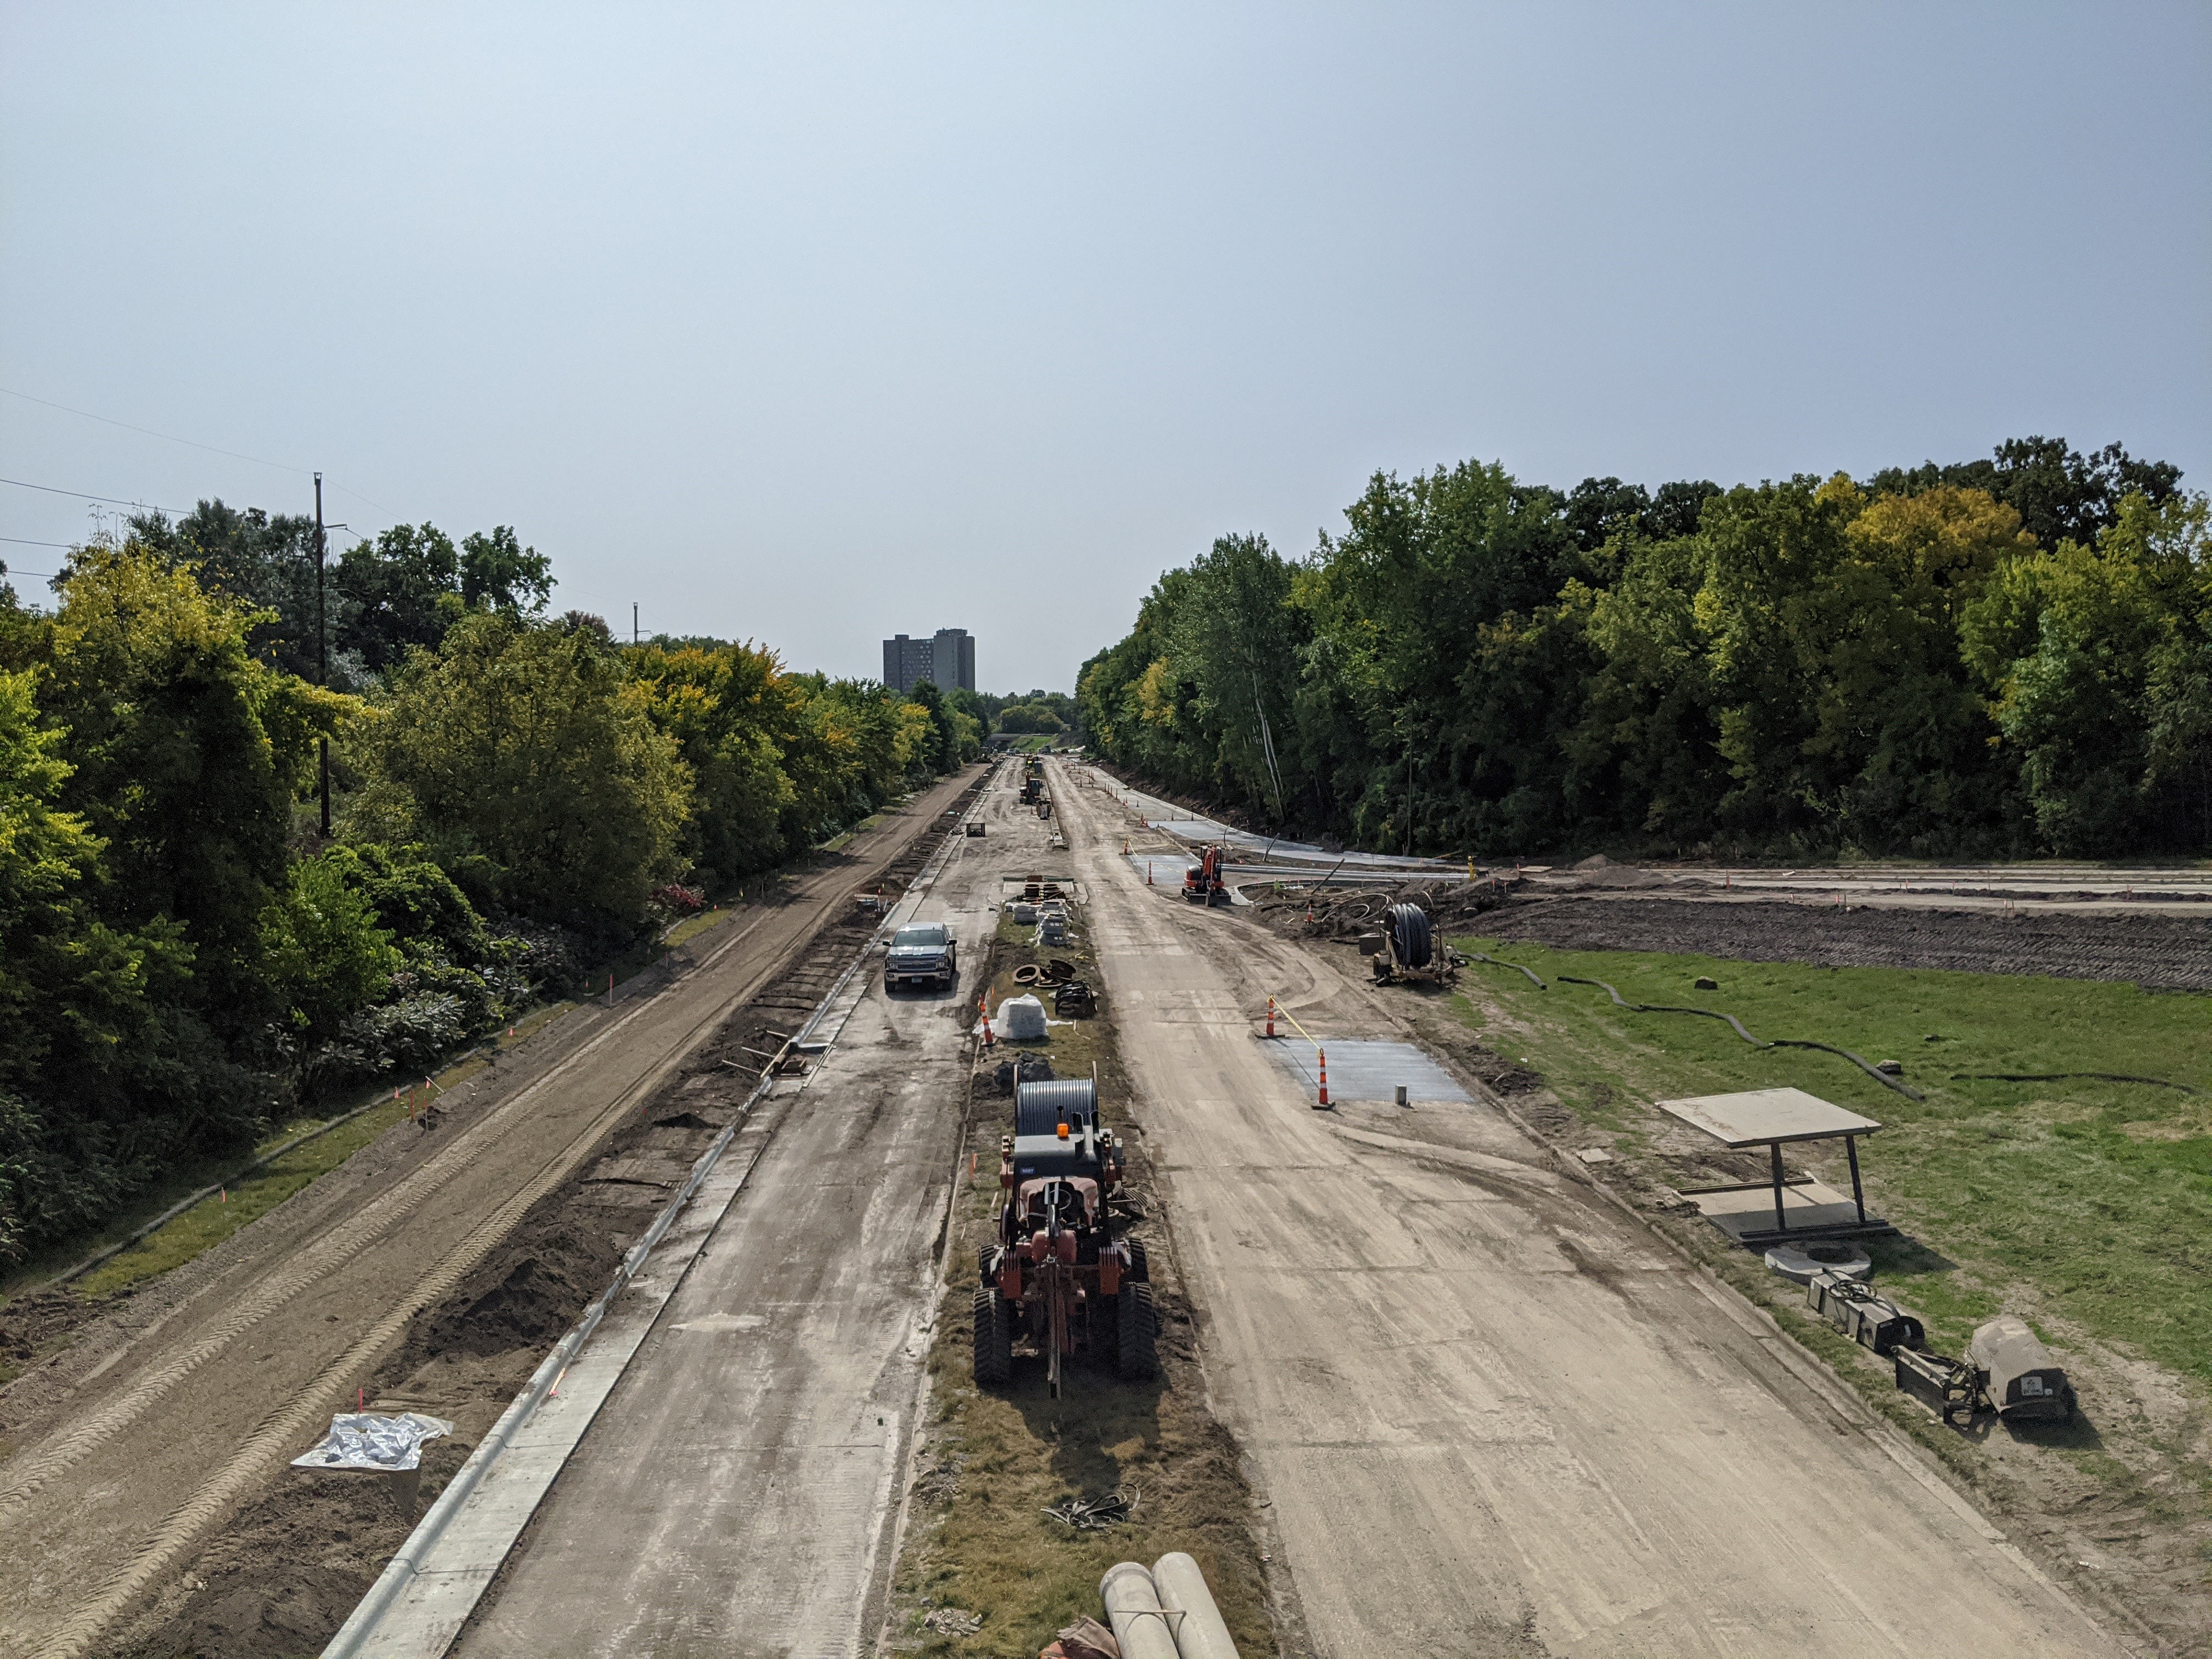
[2097,1194]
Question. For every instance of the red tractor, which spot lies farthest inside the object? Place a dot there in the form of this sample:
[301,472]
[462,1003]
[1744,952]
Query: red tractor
[1202,883]
[1057,1274]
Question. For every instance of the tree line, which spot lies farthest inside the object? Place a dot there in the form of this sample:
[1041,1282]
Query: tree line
[184,956]
[1998,658]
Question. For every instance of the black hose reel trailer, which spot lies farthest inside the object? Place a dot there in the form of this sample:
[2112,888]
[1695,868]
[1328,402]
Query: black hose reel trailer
[1409,949]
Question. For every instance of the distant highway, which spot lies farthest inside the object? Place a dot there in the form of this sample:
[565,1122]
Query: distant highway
[2186,888]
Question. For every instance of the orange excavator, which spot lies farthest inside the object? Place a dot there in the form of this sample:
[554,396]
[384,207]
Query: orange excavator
[1201,881]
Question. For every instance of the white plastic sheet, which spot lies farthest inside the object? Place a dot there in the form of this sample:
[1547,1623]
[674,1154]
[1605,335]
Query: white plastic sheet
[389,1442]
[1021,1017]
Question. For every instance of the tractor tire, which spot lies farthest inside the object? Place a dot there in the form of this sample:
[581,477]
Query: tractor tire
[1140,1270]
[983,1254]
[1136,1352]
[994,1339]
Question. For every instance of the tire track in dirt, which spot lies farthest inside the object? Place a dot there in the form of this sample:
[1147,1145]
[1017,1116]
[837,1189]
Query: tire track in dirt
[2156,950]
[185,1524]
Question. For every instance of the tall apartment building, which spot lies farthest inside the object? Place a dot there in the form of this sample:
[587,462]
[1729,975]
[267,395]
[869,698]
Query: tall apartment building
[947,660]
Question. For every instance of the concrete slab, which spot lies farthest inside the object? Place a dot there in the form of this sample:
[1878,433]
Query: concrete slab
[1758,1117]
[1745,1214]
[1362,1068]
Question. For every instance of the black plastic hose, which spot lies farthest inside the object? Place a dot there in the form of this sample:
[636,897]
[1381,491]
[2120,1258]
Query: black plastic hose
[1881,1077]
[1477,956]
[2068,1076]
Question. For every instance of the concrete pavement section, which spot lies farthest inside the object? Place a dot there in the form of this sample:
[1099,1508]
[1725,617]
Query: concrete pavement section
[734,1495]
[1492,1415]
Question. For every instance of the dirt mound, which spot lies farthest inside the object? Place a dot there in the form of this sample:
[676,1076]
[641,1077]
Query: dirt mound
[525,1299]
[281,1581]
[31,1325]
[2160,952]
[1347,913]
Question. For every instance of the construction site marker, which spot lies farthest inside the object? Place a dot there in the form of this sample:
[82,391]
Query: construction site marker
[1321,1058]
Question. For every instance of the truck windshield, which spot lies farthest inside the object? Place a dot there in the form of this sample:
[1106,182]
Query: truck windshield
[919,939]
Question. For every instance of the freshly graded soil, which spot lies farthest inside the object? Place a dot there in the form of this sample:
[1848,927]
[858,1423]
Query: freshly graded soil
[2158,951]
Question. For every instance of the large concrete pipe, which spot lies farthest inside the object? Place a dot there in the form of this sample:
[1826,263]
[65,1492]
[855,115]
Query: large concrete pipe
[1201,1633]
[1133,1608]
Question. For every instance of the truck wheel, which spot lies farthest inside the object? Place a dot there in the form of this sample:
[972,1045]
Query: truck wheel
[994,1338]
[1136,1355]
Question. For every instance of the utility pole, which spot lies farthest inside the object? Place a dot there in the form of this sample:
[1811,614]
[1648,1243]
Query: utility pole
[1409,798]
[633,622]
[322,648]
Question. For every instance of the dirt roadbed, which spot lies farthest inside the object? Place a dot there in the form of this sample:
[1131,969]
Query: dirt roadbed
[2160,952]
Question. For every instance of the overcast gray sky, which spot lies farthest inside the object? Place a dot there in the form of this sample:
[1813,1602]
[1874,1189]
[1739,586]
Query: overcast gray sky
[814,323]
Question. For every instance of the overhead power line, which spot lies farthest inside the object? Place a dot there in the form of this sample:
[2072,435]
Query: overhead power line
[25,541]
[189,443]
[85,495]
[166,437]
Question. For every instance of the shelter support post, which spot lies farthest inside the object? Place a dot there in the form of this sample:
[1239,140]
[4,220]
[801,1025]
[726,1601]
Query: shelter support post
[1775,1147]
[1858,1193]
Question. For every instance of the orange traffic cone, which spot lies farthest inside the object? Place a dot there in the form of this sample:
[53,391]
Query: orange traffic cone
[1309,912]
[1271,1016]
[1321,1055]
[984,1004]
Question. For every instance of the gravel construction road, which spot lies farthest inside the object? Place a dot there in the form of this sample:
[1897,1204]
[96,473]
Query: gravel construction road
[138,1438]
[735,1493]
[2162,951]
[1494,1416]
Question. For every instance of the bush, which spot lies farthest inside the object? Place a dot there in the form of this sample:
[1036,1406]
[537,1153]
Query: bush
[326,956]
[523,744]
